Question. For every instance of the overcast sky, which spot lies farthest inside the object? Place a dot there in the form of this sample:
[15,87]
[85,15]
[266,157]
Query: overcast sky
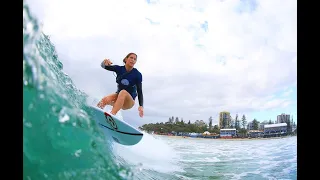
[197,58]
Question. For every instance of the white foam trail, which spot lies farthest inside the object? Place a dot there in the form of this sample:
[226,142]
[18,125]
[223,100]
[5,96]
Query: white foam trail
[152,153]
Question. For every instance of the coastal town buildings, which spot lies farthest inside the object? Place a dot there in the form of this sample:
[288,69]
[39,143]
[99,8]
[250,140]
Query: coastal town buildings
[224,120]
[282,126]
[228,133]
[283,118]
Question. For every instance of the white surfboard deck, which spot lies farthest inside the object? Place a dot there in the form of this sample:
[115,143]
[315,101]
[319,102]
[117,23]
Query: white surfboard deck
[120,131]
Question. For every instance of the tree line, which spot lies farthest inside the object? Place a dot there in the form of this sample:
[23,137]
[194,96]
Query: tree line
[174,124]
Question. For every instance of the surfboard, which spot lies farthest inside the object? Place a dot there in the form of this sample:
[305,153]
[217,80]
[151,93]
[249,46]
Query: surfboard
[120,131]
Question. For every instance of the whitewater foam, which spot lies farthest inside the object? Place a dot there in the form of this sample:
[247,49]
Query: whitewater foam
[151,154]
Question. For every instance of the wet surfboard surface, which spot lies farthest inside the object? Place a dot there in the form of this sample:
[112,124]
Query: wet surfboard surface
[119,130]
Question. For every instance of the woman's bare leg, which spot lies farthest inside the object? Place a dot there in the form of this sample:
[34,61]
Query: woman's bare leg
[107,100]
[124,101]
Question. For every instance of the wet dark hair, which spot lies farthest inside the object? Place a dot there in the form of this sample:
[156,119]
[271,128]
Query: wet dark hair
[124,60]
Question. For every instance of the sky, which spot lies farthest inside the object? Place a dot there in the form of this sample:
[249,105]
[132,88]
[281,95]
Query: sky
[197,58]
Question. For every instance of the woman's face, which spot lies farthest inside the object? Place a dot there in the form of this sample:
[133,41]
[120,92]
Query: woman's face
[131,60]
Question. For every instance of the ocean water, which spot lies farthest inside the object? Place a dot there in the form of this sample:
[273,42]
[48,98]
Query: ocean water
[274,158]
[62,141]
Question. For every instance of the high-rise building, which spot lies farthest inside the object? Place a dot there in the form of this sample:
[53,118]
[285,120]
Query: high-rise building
[283,118]
[224,120]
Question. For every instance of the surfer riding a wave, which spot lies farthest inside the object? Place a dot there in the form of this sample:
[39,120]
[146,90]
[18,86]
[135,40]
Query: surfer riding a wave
[129,81]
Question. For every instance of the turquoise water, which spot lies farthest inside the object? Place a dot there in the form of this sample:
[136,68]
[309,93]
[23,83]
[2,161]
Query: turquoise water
[62,141]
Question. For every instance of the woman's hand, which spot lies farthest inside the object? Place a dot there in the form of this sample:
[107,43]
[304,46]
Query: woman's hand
[140,111]
[107,62]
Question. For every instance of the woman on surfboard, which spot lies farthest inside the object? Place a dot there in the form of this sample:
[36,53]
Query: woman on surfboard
[129,81]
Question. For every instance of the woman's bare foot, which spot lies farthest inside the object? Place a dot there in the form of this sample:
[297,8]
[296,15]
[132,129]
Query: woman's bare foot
[107,100]
[101,105]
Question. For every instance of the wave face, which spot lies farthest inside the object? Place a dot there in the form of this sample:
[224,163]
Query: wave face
[60,140]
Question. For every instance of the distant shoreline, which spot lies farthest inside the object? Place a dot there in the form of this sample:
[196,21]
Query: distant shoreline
[225,139]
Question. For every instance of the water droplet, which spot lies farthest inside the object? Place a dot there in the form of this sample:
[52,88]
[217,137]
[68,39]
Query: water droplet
[28,124]
[53,108]
[30,106]
[41,96]
[77,153]
[74,124]
[64,118]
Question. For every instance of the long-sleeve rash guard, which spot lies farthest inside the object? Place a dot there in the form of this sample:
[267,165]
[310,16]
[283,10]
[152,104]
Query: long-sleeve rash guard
[130,81]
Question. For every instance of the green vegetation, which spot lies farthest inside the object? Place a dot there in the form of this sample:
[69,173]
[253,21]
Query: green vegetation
[255,124]
[176,125]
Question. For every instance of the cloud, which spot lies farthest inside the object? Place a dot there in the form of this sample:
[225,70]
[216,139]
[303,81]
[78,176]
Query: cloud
[197,58]
[287,92]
